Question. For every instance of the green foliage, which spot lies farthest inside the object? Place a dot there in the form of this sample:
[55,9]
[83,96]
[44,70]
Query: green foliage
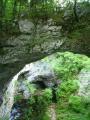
[27,113]
[47,95]
[18,98]
[4,118]
[66,88]
[36,104]
[70,115]
[62,14]
[67,65]
[46,98]
[42,116]
[29,87]
[75,108]
[47,8]
[42,103]
[75,103]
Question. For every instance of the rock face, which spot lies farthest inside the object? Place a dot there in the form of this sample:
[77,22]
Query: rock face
[84,78]
[37,73]
[41,72]
[26,26]
[33,43]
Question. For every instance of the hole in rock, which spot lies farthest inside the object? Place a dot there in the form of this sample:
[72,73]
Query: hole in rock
[39,84]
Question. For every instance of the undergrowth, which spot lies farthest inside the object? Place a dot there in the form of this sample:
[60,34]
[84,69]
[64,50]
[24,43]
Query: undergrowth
[70,106]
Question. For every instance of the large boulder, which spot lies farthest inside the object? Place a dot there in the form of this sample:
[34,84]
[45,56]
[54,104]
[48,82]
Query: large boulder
[26,26]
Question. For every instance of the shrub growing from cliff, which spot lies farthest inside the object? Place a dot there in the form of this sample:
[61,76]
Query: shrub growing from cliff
[75,103]
[36,105]
[42,103]
[67,66]
[66,88]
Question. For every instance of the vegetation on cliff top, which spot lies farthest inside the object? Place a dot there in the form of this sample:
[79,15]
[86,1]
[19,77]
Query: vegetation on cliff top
[71,14]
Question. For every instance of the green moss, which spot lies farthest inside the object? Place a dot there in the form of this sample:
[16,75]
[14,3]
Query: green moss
[76,104]
[66,88]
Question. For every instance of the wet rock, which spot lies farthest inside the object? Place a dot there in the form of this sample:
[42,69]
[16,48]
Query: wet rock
[14,113]
[16,109]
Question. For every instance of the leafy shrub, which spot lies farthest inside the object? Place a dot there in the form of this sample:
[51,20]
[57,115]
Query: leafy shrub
[66,88]
[75,103]
[45,99]
[29,87]
[36,105]
[47,95]
[41,104]
[67,65]
[42,116]
[18,98]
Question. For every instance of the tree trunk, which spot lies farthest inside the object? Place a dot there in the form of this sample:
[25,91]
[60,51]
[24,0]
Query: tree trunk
[75,11]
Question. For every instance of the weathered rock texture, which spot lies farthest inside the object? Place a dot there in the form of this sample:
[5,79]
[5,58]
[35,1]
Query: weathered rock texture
[36,73]
[33,43]
[84,78]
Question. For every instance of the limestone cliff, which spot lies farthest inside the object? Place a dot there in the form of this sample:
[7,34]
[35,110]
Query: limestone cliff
[33,43]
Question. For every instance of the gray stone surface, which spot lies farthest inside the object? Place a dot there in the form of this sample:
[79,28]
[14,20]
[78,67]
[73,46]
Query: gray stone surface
[33,43]
[84,89]
[34,73]
[26,26]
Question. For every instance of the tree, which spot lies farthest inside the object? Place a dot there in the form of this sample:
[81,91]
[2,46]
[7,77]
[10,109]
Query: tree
[75,10]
